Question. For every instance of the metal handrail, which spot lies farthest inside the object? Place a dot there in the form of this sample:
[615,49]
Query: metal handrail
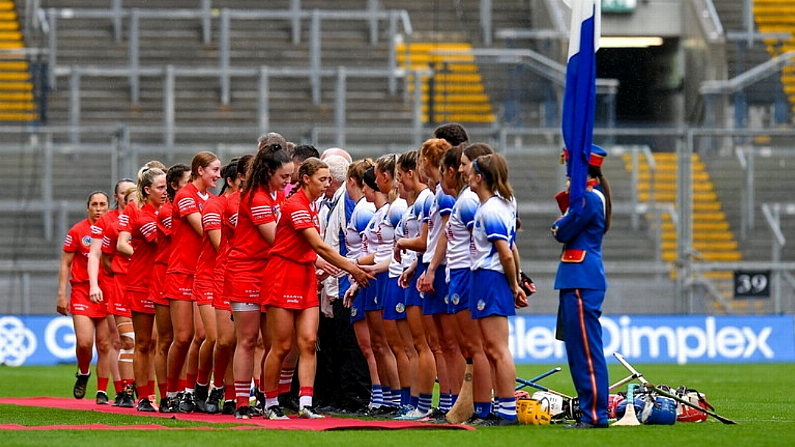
[294,14]
[749,77]
[169,73]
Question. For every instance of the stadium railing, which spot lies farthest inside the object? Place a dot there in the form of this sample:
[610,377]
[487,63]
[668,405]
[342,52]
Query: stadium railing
[295,15]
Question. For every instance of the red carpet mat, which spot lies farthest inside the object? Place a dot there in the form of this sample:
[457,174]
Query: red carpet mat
[328,423]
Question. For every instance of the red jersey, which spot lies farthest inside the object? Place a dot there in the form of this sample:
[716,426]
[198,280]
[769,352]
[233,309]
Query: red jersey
[249,250]
[186,241]
[110,221]
[78,241]
[211,220]
[142,226]
[99,230]
[228,224]
[297,214]
[164,241]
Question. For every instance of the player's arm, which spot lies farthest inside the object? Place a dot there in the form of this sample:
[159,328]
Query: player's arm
[64,270]
[509,267]
[324,250]
[94,255]
[268,232]
[123,244]
[195,222]
[215,238]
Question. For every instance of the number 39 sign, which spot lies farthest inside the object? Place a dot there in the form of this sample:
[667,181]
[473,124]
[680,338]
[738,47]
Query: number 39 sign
[752,284]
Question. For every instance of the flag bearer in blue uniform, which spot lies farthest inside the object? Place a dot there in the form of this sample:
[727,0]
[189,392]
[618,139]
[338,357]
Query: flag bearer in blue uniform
[582,284]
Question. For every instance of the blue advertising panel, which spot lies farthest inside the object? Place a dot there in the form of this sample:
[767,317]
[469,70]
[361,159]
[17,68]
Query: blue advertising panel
[36,340]
[47,340]
[666,338]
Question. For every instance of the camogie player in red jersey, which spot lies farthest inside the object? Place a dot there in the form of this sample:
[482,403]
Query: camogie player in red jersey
[107,277]
[186,236]
[258,212]
[89,318]
[223,379]
[204,286]
[290,287]
[138,233]
[177,177]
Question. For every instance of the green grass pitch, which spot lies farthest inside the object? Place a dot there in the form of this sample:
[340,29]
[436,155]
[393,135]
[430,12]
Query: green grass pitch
[757,396]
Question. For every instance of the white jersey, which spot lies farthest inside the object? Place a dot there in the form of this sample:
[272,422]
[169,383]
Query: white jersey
[459,225]
[370,233]
[494,220]
[395,267]
[386,229]
[442,204]
[360,217]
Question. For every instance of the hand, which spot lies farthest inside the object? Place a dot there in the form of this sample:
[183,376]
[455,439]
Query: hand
[398,252]
[361,277]
[350,294]
[327,267]
[425,283]
[406,277]
[321,275]
[62,307]
[519,298]
[95,294]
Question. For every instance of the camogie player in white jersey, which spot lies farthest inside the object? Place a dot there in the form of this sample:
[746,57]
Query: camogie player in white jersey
[413,239]
[354,298]
[385,359]
[433,282]
[389,294]
[494,286]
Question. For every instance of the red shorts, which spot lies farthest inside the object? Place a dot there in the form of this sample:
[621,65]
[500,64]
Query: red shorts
[220,300]
[140,302]
[203,292]
[243,287]
[290,285]
[156,284]
[117,299]
[178,286]
[81,304]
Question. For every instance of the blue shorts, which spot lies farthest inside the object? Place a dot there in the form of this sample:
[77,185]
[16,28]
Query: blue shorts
[490,295]
[394,300]
[436,302]
[458,290]
[370,293]
[357,307]
[413,297]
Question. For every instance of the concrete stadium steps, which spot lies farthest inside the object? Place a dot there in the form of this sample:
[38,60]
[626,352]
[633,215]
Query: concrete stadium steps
[535,178]
[777,16]
[712,225]
[709,221]
[16,88]
[460,95]
[178,42]
[772,177]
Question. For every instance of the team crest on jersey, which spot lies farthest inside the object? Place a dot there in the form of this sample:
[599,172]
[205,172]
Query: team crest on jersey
[354,311]
[422,295]
[481,304]
[86,240]
[375,300]
[456,299]
[400,308]
[446,299]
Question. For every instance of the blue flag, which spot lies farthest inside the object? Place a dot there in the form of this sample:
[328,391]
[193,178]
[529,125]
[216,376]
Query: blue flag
[579,100]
